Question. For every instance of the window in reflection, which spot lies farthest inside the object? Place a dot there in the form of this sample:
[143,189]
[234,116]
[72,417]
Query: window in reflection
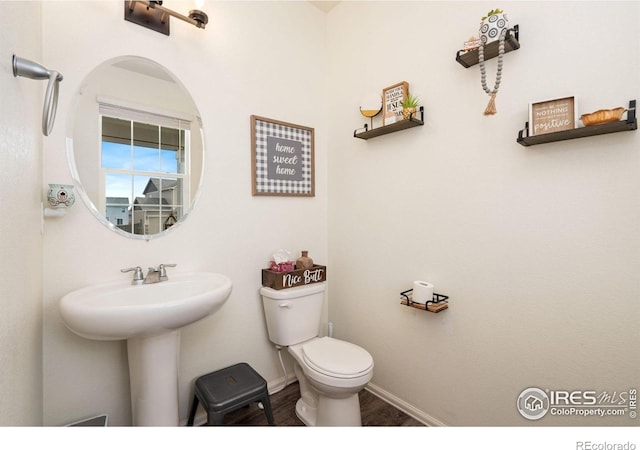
[144,173]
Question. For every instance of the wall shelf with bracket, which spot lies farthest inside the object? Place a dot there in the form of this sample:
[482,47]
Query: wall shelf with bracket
[594,130]
[511,42]
[439,302]
[404,124]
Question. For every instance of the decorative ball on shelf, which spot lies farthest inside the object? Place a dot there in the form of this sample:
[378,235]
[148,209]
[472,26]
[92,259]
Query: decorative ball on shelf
[492,26]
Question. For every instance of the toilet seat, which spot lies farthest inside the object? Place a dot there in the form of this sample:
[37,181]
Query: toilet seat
[336,358]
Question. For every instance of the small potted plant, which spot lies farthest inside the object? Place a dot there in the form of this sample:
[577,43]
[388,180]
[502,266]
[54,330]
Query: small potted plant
[409,105]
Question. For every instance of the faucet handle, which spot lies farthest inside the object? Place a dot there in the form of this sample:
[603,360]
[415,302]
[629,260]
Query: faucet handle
[163,270]
[137,276]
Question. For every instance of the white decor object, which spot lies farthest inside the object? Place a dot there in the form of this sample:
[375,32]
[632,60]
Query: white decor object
[492,26]
[60,195]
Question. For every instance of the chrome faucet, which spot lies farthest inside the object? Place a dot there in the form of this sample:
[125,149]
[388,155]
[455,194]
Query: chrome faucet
[154,275]
[157,274]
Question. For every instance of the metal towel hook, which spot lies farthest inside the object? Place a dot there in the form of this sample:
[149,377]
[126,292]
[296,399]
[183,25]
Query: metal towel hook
[29,69]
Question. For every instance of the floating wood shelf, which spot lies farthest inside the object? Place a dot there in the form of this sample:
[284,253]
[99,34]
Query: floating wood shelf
[411,122]
[511,42]
[594,130]
[438,304]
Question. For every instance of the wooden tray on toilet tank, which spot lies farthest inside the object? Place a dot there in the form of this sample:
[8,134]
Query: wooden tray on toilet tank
[285,280]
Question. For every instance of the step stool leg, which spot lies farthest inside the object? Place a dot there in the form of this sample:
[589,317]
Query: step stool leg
[192,414]
[266,402]
[215,418]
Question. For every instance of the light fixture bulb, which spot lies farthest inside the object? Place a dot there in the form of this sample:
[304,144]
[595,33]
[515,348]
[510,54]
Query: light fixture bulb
[199,16]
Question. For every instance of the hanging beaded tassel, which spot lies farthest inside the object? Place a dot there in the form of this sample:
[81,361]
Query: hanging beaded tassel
[491,107]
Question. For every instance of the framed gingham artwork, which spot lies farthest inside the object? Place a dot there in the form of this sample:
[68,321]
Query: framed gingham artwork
[281,158]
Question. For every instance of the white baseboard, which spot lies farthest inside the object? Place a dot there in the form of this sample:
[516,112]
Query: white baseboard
[405,407]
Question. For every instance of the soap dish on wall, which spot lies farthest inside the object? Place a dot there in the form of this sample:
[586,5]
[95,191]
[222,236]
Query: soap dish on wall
[439,302]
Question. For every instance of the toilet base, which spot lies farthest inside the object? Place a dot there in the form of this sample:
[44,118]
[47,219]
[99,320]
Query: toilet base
[326,406]
[306,413]
[330,412]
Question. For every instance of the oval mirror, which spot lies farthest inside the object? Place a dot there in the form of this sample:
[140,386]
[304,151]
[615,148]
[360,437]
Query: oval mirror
[135,147]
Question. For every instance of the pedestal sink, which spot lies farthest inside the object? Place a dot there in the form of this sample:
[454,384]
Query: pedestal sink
[149,317]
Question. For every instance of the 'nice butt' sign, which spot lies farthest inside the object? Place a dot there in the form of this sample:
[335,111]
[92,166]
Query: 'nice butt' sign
[284,280]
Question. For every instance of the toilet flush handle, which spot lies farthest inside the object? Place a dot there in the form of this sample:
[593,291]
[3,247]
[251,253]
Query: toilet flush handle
[285,305]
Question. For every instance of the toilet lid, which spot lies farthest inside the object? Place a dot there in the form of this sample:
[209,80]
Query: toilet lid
[336,358]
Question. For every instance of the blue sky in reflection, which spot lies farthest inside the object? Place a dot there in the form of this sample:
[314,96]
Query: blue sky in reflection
[143,159]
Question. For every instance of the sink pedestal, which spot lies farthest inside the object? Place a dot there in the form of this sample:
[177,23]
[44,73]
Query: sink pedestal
[153,373]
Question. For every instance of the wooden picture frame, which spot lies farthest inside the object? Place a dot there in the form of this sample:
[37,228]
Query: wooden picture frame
[282,158]
[550,116]
[391,98]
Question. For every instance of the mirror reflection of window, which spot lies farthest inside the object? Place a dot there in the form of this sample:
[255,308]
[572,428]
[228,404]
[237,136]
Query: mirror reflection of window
[145,170]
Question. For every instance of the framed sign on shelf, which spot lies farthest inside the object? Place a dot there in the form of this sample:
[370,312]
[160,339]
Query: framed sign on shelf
[282,160]
[552,115]
[391,98]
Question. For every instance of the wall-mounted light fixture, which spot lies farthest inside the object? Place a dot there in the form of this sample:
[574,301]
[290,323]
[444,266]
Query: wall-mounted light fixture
[152,15]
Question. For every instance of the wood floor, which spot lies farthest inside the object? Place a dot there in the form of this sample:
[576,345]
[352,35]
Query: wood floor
[375,411]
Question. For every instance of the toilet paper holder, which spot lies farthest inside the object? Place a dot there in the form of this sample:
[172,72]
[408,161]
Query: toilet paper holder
[436,305]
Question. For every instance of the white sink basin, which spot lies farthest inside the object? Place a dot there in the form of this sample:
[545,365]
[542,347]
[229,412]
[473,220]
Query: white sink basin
[119,310]
[149,317]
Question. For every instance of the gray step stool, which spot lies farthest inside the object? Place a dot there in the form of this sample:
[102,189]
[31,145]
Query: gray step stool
[228,389]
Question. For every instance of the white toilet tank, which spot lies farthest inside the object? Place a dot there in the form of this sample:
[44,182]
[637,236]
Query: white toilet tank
[293,315]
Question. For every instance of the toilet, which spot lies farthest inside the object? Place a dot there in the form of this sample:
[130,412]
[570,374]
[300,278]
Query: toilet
[330,372]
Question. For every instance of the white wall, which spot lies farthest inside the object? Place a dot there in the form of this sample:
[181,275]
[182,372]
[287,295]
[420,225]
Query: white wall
[538,248]
[21,242]
[260,58]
